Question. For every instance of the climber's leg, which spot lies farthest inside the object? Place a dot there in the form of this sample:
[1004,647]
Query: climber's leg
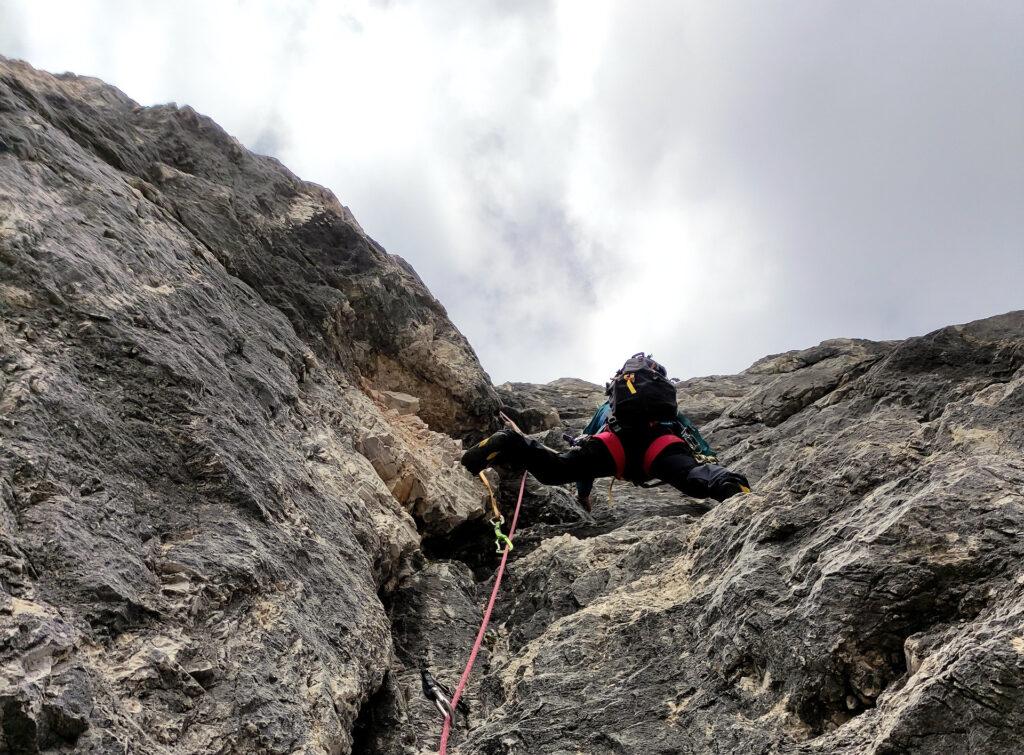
[676,466]
[589,459]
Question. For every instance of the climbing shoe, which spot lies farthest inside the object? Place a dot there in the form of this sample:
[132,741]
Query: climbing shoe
[504,447]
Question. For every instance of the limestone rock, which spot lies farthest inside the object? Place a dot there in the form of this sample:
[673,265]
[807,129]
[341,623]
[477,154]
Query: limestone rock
[536,408]
[219,532]
[402,403]
[193,549]
[867,598]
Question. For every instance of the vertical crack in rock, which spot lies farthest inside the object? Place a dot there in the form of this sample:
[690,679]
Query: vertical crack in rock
[382,726]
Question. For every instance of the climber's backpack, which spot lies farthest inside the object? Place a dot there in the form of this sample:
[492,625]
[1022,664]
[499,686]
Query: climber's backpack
[639,394]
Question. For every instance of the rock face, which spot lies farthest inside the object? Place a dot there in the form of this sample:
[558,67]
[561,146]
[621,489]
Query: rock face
[536,408]
[232,518]
[203,491]
[868,597]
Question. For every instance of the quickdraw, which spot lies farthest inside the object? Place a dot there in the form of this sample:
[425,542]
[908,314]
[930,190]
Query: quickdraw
[501,541]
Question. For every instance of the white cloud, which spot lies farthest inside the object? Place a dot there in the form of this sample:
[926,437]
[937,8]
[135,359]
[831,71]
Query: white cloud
[577,181]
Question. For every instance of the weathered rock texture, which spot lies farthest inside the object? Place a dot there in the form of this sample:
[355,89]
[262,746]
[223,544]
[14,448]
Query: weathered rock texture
[232,518]
[868,597]
[202,487]
[536,408]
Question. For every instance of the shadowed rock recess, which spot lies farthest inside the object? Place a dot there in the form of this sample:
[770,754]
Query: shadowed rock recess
[232,518]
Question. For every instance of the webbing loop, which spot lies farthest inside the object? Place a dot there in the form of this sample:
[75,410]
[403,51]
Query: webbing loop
[494,501]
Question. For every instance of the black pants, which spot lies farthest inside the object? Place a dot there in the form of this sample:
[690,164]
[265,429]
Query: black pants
[591,459]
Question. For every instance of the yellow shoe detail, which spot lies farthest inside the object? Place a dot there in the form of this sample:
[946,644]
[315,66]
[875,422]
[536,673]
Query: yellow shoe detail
[744,488]
[482,443]
[491,455]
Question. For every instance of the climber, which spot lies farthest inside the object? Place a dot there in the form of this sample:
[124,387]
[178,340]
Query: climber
[700,448]
[643,440]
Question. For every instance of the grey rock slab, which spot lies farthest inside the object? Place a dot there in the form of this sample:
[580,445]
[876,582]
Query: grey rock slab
[402,403]
[193,548]
[217,536]
[864,599]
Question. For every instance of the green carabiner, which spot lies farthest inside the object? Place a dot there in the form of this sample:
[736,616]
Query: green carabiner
[500,537]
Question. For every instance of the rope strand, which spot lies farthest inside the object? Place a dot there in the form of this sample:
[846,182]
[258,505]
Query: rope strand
[483,626]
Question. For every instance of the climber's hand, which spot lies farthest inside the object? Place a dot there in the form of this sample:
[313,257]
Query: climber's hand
[729,485]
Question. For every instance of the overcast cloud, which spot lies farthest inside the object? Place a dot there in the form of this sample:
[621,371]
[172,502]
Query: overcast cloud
[576,181]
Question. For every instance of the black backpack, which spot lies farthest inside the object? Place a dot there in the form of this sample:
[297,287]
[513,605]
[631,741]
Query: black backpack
[640,394]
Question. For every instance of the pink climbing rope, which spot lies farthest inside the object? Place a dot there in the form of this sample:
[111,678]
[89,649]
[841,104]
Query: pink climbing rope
[483,626]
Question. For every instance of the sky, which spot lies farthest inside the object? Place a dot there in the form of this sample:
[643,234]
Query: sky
[577,181]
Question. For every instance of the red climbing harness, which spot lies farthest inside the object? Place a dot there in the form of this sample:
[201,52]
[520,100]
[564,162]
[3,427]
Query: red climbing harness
[657,446]
[483,626]
[614,445]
